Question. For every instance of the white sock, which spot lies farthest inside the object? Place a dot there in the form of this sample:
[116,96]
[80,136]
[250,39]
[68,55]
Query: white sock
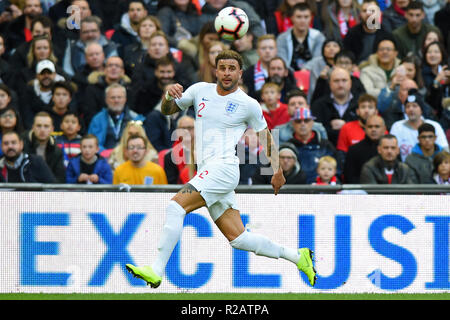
[262,246]
[171,234]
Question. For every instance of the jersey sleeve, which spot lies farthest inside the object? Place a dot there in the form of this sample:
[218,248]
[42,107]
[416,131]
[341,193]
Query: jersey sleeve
[256,118]
[188,97]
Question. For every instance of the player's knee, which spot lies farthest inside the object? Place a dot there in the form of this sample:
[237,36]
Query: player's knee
[240,242]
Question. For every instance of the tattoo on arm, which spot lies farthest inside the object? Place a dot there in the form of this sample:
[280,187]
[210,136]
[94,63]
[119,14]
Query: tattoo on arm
[270,148]
[188,188]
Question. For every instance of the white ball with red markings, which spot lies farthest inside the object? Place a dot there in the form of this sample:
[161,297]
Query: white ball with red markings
[231,23]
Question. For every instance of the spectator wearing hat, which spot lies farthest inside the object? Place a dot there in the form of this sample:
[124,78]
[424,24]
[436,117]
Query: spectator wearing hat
[309,144]
[296,99]
[290,165]
[421,158]
[38,92]
[385,168]
[392,106]
[406,130]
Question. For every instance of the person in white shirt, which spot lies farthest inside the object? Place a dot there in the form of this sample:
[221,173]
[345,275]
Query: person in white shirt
[406,130]
[223,113]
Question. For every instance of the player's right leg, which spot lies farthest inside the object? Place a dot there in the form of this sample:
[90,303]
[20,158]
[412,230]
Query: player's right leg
[185,201]
[230,224]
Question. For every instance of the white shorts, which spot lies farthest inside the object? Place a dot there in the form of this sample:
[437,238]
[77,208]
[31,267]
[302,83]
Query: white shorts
[216,183]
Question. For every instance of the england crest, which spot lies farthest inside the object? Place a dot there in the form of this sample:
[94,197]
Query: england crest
[231,107]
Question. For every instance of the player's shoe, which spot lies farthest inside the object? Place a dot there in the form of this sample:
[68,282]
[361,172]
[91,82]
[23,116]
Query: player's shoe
[145,273]
[305,264]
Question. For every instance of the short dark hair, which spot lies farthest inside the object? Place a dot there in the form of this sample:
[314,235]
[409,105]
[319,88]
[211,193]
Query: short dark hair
[138,136]
[391,39]
[414,5]
[426,127]
[230,54]
[65,85]
[14,133]
[44,20]
[5,88]
[301,6]
[387,137]
[278,58]
[297,92]
[71,113]
[345,53]
[164,61]
[139,1]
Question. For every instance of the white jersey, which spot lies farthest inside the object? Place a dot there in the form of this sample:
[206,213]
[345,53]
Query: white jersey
[408,137]
[220,121]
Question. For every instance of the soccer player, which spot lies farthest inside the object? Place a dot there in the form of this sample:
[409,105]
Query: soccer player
[223,113]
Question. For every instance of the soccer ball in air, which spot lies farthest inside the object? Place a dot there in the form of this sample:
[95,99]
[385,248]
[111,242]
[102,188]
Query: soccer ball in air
[231,23]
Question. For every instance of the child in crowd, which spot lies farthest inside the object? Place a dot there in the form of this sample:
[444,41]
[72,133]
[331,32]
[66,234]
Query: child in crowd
[326,170]
[69,140]
[274,111]
[61,97]
[441,172]
[89,167]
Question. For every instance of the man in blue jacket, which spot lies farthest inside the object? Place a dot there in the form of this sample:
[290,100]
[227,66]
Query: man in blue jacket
[108,124]
[89,167]
[309,143]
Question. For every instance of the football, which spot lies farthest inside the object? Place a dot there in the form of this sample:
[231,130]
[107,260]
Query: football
[231,23]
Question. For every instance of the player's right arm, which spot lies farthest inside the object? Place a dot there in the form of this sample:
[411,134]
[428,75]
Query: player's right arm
[168,105]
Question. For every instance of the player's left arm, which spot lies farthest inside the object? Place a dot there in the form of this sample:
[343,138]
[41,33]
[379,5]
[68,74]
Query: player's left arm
[271,150]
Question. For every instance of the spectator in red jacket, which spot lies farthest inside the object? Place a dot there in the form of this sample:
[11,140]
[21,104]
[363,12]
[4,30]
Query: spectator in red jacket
[353,131]
[275,112]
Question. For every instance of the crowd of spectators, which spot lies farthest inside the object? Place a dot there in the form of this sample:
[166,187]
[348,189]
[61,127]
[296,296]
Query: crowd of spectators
[355,91]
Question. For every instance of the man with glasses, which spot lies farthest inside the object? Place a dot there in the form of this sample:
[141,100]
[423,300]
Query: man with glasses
[137,170]
[376,75]
[421,158]
[74,56]
[310,146]
[406,130]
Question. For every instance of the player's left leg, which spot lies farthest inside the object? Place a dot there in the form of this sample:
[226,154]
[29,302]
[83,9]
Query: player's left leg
[230,224]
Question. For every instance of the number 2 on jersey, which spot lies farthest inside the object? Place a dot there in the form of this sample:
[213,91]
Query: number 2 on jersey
[202,105]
